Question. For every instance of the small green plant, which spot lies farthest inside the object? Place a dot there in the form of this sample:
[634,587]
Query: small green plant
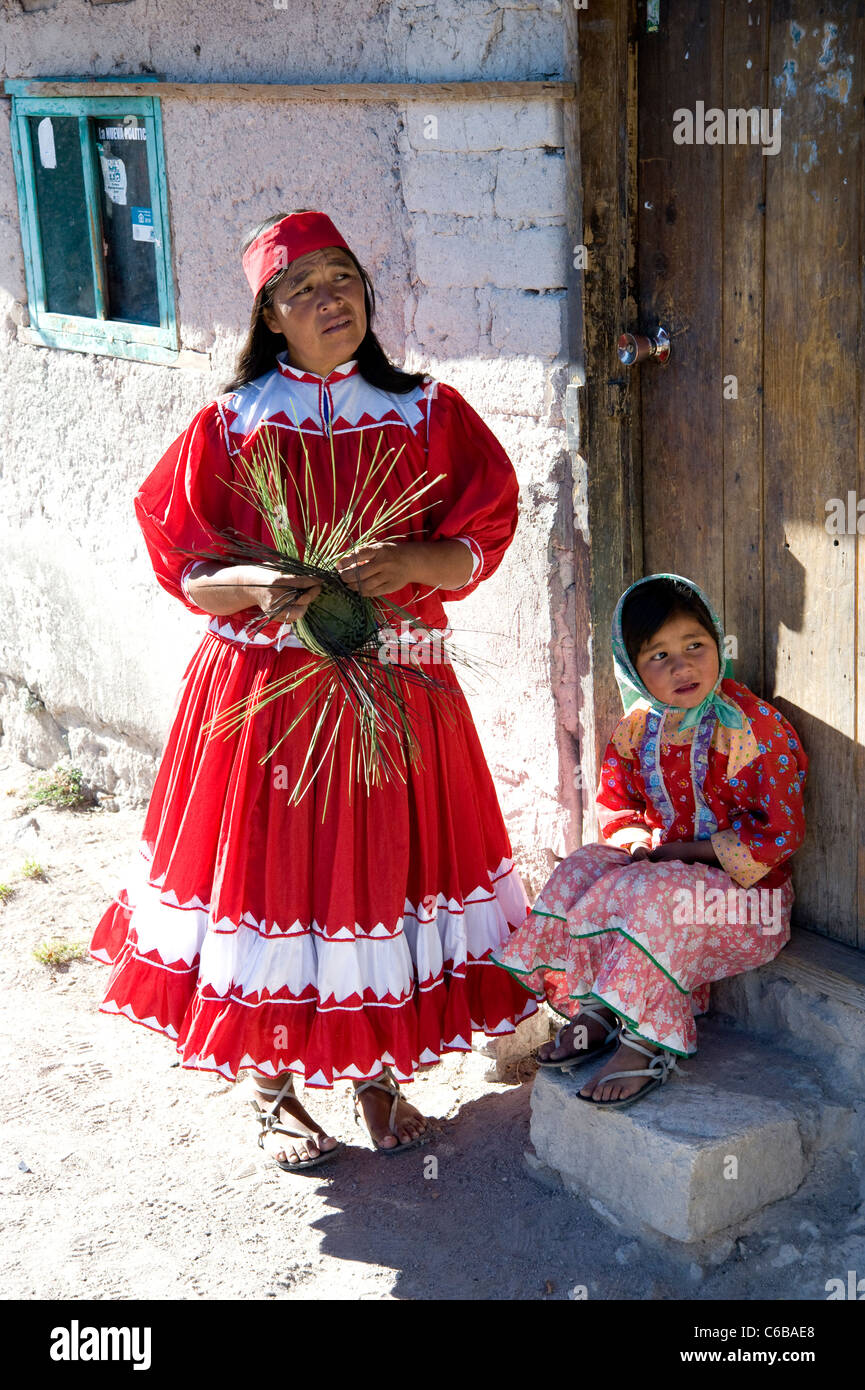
[64,786]
[55,951]
[32,869]
[6,892]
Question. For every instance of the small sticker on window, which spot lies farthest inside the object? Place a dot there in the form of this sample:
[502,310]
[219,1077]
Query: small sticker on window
[142,224]
[114,179]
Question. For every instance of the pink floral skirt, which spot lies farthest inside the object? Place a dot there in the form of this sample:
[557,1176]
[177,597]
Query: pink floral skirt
[645,939]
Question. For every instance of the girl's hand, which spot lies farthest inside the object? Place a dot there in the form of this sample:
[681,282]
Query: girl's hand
[378,569]
[686,852]
[677,849]
[640,852]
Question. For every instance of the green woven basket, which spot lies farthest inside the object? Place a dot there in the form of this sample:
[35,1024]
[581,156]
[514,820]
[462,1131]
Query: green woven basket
[340,620]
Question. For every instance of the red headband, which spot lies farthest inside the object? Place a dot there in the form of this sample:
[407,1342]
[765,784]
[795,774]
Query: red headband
[282,243]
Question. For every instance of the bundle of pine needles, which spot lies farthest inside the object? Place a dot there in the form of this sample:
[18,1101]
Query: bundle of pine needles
[342,629]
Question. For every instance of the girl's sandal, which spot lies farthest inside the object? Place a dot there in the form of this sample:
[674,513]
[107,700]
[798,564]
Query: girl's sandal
[576,1059]
[269,1124]
[386,1082]
[659,1068]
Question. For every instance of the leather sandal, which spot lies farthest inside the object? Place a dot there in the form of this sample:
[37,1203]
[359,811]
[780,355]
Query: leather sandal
[576,1059]
[387,1082]
[659,1068]
[269,1124]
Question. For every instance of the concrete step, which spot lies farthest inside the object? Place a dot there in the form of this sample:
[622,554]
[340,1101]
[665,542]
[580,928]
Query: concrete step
[810,999]
[739,1130]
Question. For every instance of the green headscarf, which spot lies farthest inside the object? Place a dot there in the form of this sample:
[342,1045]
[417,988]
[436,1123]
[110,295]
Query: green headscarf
[632,689]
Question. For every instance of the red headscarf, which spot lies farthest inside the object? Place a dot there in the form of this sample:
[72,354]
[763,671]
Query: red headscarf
[285,241]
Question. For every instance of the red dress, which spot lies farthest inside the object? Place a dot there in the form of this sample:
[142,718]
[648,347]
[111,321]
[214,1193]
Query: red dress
[264,936]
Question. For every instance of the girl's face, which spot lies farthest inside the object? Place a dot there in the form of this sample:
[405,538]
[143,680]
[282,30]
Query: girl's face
[679,664]
[318,307]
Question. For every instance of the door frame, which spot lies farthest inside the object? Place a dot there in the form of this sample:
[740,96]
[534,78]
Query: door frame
[603,400]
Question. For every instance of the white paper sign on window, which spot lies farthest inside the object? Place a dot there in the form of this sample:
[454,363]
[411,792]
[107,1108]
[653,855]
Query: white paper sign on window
[47,152]
[114,179]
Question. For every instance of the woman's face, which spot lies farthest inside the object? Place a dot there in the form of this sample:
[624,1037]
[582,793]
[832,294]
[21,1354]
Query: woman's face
[318,307]
[679,664]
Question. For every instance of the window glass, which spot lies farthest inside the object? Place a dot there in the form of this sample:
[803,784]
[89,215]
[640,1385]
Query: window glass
[62,215]
[128,229]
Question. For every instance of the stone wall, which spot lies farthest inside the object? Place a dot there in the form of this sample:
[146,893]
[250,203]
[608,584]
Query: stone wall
[456,208]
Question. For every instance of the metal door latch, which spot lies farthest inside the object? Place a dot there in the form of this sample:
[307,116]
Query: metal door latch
[637,347]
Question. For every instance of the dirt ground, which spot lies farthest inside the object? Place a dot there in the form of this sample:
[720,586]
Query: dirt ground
[124,1177]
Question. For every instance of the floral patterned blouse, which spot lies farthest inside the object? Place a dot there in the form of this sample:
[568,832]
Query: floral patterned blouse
[741,788]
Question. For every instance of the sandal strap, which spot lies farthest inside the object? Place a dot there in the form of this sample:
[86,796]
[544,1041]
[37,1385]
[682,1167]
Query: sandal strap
[286,1090]
[593,1011]
[269,1119]
[639,1044]
[660,1063]
[269,1126]
[386,1082]
[646,1072]
[586,1011]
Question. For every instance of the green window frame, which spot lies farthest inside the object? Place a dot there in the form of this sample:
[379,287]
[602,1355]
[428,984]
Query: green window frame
[98,332]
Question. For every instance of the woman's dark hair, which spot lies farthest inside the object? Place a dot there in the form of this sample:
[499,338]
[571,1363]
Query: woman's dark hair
[652,604]
[258,354]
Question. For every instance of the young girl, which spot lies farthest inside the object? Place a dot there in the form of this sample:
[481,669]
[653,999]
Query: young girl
[347,941]
[700,807]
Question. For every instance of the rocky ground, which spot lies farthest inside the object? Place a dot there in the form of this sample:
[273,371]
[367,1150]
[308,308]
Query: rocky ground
[123,1176]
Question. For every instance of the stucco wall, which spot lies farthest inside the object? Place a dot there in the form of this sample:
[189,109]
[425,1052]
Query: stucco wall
[457,210]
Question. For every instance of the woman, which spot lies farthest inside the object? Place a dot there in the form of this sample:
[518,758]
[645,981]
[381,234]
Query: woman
[351,943]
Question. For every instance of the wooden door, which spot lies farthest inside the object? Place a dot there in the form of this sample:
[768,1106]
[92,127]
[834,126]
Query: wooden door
[753,262]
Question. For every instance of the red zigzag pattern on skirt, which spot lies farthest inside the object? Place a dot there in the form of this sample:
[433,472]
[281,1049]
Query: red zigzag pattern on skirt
[326,1006]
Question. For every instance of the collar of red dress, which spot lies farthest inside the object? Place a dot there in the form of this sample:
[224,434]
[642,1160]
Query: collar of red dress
[337,374]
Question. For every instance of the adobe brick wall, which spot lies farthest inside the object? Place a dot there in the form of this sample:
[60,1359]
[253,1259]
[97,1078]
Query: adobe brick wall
[456,208]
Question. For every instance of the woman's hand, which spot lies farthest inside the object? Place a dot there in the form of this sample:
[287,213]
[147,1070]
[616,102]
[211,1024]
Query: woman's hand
[378,569]
[226,589]
[267,588]
[386,566]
